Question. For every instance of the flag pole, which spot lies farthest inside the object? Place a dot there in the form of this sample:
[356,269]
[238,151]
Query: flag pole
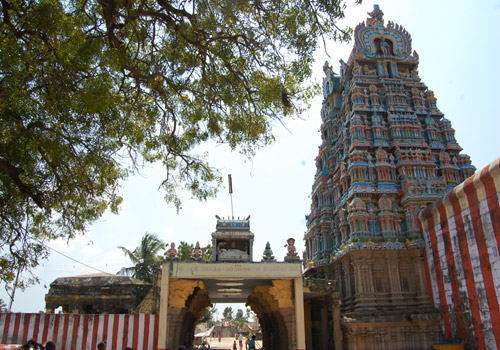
[231,193]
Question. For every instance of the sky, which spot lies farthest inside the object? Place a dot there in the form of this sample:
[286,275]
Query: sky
[458,45]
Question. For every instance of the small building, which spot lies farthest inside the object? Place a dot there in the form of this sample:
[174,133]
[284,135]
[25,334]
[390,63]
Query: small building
[99,293]
[232,240]
[226,328]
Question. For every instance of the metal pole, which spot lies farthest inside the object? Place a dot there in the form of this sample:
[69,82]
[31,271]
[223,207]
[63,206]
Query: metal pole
[231,194]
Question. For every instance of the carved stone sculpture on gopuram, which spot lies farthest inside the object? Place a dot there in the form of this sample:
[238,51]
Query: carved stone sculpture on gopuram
[197,253]
[386,152]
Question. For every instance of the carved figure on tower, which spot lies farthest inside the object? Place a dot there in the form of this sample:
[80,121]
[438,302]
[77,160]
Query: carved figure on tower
[327,68]
[291,251]
[414,73]
[268,254]
[291,255]
[356,70]
[197,252]
[369,71]
[171,253]
[384,47]
[376,17]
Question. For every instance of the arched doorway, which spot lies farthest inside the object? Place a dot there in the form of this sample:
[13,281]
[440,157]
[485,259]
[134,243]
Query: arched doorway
[273,291]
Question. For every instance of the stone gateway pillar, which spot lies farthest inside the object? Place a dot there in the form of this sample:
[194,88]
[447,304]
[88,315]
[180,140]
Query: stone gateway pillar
[163,324]
[299,313]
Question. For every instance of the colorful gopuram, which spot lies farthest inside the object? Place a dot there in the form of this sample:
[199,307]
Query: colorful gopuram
[386,152]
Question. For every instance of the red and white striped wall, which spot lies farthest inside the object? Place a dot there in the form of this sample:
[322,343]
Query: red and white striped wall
[462,236]
[81,332]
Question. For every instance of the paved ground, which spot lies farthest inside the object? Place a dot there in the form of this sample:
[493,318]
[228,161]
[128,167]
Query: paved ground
[227,344]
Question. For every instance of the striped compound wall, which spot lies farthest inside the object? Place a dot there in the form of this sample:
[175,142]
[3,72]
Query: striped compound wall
[81,332]
[462,236]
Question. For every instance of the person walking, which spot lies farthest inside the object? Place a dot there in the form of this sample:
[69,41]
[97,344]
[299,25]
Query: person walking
[234,345]
[251,345]
[240,340]
[50,345]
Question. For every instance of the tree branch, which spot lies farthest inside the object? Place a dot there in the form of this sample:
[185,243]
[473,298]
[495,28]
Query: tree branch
[13,172]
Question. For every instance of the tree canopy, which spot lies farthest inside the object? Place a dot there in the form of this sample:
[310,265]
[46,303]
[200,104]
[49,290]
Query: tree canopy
[208,315]
[184,251]
[239,314]
[91,90]
[228,312]
[240,319]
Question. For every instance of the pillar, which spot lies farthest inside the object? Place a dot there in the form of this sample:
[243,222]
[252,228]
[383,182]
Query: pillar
[392,267]
[308,324]
[299,313]
[422,292]
[163,324]
[337,330]
[347,279]
[358,281]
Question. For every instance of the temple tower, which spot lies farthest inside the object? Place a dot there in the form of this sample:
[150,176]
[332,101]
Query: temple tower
[386,152]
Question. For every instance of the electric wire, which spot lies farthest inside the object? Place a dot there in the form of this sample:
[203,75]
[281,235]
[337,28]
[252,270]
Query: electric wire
[90,267]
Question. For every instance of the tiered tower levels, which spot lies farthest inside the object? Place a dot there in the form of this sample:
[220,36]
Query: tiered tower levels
[386,148]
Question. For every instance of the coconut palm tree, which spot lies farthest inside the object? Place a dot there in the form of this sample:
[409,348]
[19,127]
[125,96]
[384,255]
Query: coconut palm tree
[3,306]
[146,257]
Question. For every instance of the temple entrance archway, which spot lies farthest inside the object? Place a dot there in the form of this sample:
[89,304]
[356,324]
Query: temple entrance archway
[272,290]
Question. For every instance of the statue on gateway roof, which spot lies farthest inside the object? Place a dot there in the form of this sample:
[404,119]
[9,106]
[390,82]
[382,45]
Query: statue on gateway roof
[376,17]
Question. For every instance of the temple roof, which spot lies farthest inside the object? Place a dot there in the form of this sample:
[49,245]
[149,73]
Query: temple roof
[374,39]
[233,227]
[232,224]
[95,279]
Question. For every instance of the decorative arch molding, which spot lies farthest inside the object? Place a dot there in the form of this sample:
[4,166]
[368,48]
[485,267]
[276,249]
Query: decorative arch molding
[366,34]
[187,301]
[274,307]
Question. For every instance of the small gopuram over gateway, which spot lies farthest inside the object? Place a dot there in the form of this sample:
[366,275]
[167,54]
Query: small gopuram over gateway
[273,290]
[387,152]
[232,241]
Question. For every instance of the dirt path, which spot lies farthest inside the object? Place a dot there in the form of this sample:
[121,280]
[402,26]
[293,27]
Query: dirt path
[227,344]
